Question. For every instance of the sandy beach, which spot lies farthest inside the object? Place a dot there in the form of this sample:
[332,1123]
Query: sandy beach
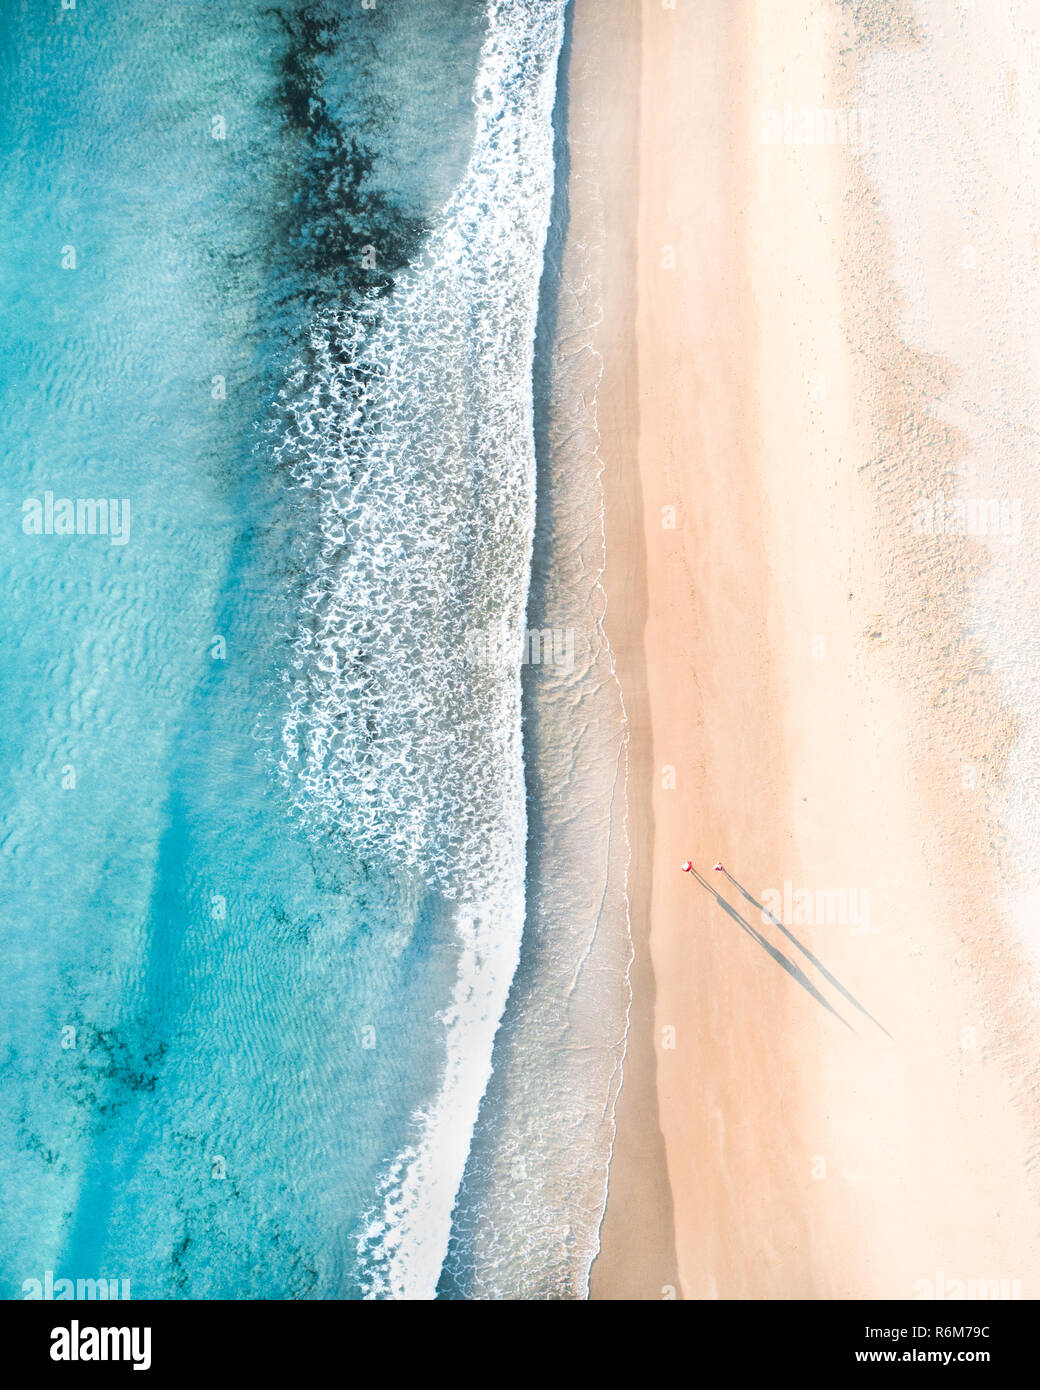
[844,1108]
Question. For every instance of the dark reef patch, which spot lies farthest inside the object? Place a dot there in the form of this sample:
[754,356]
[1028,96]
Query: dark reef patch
[336,235]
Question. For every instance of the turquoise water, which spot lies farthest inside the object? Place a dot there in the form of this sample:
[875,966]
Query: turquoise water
[270,836]
[218,1023]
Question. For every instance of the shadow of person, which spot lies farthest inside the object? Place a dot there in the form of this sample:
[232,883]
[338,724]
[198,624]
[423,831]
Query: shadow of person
[807,953]
[792,969]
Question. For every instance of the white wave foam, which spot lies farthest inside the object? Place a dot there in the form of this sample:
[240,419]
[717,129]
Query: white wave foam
[527,1221]
[412,421]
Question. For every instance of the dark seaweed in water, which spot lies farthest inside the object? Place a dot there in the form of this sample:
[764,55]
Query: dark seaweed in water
[333,237]
[340,235]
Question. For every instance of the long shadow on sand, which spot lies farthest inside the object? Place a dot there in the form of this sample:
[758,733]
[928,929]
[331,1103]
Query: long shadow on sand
[792,969]
[807,953]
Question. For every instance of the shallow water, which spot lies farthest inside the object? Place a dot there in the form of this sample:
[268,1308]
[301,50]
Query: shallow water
[270,281]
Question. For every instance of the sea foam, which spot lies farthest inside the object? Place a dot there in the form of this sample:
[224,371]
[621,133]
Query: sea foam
[410,419]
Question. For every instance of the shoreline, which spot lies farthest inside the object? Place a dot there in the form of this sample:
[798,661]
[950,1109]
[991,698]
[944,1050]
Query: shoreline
[636,1248]
[808,696]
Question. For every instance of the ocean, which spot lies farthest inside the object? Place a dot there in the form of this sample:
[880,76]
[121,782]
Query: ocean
[312,810]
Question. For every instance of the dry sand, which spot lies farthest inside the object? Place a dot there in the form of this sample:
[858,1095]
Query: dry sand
[802,697]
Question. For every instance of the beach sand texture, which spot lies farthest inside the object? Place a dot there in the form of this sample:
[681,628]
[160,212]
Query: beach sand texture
[818,694]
